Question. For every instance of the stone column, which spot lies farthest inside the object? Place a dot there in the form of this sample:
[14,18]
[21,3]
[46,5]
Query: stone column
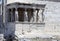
[16,15]
[25,16]
[35,14]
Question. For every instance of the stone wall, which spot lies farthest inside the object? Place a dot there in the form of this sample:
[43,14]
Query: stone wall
[52,17]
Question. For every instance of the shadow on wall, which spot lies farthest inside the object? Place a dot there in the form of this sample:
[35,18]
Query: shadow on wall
[10,32]
[1,25]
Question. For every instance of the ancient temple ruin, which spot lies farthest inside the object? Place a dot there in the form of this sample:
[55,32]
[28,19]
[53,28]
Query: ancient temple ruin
[28,20]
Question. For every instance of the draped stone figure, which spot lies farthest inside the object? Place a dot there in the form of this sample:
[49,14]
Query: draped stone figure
[32,19]
[11,15]
[16,15]
[25,16]
[40,16]
[35,13]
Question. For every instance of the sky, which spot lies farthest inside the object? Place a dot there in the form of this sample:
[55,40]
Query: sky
[0,1]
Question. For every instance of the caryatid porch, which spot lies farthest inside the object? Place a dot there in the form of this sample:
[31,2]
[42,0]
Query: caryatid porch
[20,16]
[25,13]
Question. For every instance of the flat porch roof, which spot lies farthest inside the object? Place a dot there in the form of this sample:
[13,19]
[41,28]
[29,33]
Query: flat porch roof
[27,2]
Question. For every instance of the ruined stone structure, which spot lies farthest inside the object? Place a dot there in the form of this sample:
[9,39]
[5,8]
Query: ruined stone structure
[32,20]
